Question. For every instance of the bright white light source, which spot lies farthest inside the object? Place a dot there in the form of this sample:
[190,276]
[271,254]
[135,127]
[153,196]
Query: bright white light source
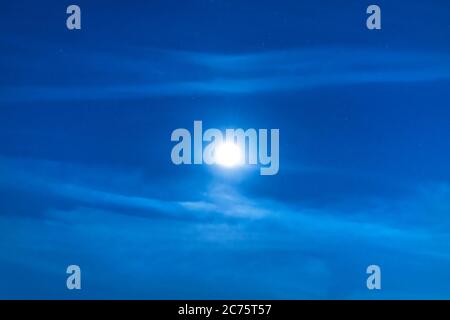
[228,155]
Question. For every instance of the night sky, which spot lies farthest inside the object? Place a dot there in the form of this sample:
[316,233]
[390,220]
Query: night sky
[86,176]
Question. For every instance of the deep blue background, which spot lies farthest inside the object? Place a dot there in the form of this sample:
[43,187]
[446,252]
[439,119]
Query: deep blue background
[85,170]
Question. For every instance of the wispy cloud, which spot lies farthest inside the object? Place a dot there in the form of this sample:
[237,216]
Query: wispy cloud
[208,237]
[223,202]
[190,73]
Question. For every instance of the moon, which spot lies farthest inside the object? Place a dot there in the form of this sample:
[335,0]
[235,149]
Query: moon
[228,155]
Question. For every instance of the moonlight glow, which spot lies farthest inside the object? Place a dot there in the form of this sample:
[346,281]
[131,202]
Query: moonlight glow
[228,155]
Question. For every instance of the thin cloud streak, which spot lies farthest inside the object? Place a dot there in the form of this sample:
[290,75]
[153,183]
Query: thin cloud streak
[224,204]
[244,74]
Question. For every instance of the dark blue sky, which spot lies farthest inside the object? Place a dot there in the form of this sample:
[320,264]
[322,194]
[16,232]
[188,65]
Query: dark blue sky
[85,170]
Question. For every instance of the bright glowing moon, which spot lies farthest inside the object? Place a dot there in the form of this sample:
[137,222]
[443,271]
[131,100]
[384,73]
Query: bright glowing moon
[228,155]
